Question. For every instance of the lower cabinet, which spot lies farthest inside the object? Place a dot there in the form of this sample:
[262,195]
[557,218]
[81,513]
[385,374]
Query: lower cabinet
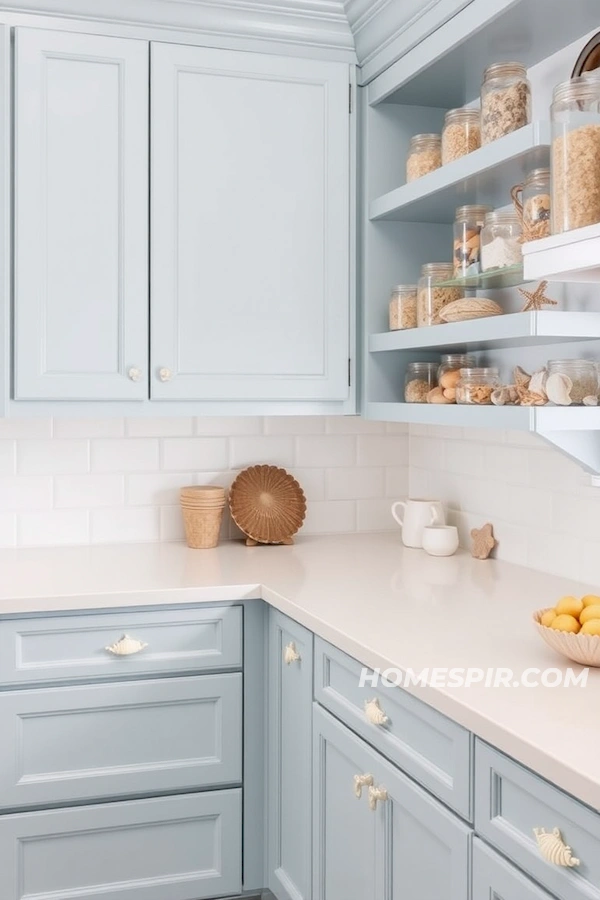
[495,879]
[377,835]
[169,848]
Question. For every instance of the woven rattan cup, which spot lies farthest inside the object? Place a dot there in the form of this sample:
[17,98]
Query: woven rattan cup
[202,508]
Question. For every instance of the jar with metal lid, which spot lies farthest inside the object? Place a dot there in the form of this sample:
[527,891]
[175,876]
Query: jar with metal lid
[424,155]
[575,155]
[571,381]
[500,240]
[476,385]
[467,247]
[421,377]
[505,100]
[461,133]
[403,307]
[536,205]
[432,297]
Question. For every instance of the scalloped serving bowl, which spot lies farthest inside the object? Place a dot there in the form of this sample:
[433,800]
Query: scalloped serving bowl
[579,648]
[267,504]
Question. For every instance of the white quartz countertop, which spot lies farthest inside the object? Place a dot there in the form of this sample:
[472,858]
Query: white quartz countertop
[384,605]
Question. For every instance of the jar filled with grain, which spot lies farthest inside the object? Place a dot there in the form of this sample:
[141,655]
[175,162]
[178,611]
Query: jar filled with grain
[536,205]
[579,380]
[505,100]
[500,240]
[467,239]
[476,385]
[403,307]
[461,134]
[448,374]
[432,297]
[575,156]
[421,377]
[424,155]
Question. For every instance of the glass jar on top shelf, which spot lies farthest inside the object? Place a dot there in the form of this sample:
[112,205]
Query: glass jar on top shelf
[476,385]
[424,155]
[500,240]
[431,298]
[505,100]
[403,307]
[461,134]
[575,154]
[467,239]
[536,205]
[420,379]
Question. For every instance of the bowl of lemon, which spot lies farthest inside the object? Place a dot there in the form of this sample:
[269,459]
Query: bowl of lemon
[572,628]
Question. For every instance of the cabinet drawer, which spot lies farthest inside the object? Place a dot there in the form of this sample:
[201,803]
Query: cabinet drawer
[180,848]
[425,744]
[86,741]
[70,647]
[511,801]
[496,879]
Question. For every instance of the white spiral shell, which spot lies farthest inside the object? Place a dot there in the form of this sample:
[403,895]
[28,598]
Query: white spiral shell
[374,713]
[553,848]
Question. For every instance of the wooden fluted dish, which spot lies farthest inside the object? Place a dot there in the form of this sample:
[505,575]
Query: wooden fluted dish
[267,504]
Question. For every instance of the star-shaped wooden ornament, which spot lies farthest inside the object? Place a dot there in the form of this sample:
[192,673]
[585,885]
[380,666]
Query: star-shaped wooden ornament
[536,299]
[483,541]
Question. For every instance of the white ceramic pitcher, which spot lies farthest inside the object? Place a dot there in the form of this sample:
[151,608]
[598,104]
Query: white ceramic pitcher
[418,514]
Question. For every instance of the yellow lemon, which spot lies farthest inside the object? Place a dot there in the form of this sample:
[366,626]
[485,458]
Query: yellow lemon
[590,612]
[591,600]
[569,606]
[591,627]
[565,623]
[548,617]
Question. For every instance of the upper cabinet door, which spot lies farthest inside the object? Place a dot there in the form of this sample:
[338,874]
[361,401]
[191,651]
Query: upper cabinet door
[81,204]
[250,226]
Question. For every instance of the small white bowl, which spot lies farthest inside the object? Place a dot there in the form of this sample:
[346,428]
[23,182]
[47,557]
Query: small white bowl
[580,648]
[440,540]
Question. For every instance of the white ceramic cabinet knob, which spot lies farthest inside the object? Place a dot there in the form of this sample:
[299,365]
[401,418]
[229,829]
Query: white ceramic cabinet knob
[165,374]
[134,373]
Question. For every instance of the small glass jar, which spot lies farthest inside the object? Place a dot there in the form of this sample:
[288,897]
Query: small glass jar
[575,156]
[461,134]
[583,374]
[403,307]
[536,205]
[421,377]
[476,385]
[505,100]
[431,298]
[467,247]
[424,155]
[500,240]
[448,374]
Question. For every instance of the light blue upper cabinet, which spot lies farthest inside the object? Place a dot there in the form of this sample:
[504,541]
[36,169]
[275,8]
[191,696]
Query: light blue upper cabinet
[250,184]
[81,217]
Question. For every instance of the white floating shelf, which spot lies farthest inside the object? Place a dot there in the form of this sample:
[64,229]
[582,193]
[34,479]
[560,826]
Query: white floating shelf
[518,418]
[478,177]
[572,256]
[514,330]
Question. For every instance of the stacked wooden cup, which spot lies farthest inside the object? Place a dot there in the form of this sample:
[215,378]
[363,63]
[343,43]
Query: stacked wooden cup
[202,508]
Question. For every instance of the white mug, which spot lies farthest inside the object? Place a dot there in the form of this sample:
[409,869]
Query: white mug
[417,515]
[440,540]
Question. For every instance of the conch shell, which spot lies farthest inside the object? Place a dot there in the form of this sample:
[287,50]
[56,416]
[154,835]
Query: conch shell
[558,389]
[553,848]
[505,396]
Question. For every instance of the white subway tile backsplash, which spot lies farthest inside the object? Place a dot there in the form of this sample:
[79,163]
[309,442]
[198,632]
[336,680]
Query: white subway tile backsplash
[312,482]
[160,489]
[8,454]
[171,524]
[397,483]
[57,527]
[161,427]
[355,484]
[125,525]
[88,428]
[247,450]
[88,491]
[193,454]
[8,529]
[374,514]
[55,457]
[382,450]
[354,425]
[330,517]
[294,425]
[326,451]
[228,425]
[20,429]
[25,492]
[126,455]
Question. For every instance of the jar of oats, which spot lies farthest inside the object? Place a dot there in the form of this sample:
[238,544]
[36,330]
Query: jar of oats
[403,307]
[536,205]
[476,386]
[421,377]
[467,239]
[575,155]
[461,134]
[505,100]
[432,297]
[424,155]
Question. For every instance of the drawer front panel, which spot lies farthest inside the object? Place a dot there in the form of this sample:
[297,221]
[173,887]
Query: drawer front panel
[511,801]
[496,879]
[89,741]
[180,848]
[70,647]
[429,747]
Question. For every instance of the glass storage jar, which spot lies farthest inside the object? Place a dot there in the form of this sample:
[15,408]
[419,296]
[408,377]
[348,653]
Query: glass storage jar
[500,244]
[421,377]
[403,307]
[424,155]
[575,156]
[505,100]
[467,248]
[431,297]
[582,375]
[476,385]
[461,133]
[536,205]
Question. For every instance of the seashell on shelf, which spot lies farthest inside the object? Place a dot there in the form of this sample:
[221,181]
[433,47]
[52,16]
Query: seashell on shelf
[469,308]
[553,848]
[592,400]
[537,384]
[267,504]
[558,389]
[522,378]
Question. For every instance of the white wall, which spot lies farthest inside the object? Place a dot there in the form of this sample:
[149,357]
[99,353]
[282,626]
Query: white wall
[80,481]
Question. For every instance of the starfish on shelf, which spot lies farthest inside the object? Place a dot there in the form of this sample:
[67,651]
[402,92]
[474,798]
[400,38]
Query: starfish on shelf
[536,299]
[483,541]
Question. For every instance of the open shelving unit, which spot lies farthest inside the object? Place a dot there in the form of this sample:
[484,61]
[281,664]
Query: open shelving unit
[407,225]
